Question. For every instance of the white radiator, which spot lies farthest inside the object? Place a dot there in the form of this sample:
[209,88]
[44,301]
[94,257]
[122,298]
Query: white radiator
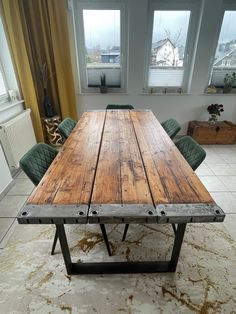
[17,137]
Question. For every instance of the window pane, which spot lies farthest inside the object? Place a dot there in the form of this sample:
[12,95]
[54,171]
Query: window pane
[3,90]
[225,56]
[169,37]
[102,44]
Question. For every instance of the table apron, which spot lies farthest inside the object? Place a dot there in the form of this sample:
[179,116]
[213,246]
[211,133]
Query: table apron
[120,214]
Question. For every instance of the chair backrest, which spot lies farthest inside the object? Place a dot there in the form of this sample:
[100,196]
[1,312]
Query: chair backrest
[172,127]
[37,160]
[191,150]
[119,107]
[66,127]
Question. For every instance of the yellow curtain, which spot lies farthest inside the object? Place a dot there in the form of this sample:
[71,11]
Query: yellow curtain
[38,34]
[61,47]
[15,26]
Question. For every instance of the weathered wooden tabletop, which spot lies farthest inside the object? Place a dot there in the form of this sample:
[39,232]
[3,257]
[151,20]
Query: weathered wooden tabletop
[120,166]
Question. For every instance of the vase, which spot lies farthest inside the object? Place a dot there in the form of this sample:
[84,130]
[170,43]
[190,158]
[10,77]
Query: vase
[213,118]
[48,108]
[103,89]
[227,89]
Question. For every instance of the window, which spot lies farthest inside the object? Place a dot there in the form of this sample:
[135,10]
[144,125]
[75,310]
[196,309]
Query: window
[225,56]
[101,46]
[3,83]
[3,88]
[170,30]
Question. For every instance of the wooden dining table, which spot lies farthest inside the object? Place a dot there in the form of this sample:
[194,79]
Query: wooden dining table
[120,167]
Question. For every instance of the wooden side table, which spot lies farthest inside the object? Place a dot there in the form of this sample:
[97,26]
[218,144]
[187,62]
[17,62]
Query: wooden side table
[53,136]
[222,132]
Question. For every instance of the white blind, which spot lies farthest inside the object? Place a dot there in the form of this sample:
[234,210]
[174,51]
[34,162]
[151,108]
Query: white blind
[218,74]
[166,77]
[113,76]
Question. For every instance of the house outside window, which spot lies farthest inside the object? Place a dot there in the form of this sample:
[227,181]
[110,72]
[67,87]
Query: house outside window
[224,61]
[172,31]
[101,45]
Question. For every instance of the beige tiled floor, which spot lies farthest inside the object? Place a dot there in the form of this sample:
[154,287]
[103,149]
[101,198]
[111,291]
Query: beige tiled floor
[217,172]
[11,204]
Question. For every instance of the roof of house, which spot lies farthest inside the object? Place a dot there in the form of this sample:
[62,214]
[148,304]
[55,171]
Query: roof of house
[160,43]
[228,56]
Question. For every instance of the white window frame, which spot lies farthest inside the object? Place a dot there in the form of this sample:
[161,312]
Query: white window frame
[80,40]
[177,5]
[227,6]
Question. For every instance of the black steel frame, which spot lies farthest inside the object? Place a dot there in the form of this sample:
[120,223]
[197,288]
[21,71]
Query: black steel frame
[104,234]
[81,268]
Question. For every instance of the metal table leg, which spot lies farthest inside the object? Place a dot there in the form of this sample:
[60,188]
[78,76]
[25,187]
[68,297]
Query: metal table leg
[81,268]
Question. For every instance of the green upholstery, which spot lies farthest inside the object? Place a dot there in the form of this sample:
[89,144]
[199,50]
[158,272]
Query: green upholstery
[119,107]
[172,127]
[66,127]
[191,150]
[37,160]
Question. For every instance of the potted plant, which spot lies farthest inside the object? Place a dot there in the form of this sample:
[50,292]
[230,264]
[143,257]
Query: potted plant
[103,86]
[229,81]
[215,111]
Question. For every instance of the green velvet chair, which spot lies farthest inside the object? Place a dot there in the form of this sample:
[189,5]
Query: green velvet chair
[191,150]
[66,127]
[35,163]
[172,127]
[119,107]
[194,155]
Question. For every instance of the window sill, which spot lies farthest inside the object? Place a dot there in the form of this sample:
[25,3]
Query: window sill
[97,93]
[219,94]
[10,104]
[165,94]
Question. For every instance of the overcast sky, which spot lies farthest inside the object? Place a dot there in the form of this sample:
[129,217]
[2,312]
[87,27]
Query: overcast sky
[102,27]
[228,30]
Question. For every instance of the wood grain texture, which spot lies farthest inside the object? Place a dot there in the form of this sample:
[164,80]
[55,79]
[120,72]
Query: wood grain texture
[222,132]
[120,177]
[70,178]
[120,158]
[170,177]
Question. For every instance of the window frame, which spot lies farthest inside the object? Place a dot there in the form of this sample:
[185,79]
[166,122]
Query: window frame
[191,39]
[226,6]
[81,49]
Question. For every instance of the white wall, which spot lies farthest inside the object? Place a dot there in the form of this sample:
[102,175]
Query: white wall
[182,107]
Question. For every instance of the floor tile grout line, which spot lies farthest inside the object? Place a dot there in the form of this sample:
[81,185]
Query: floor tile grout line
[7,231]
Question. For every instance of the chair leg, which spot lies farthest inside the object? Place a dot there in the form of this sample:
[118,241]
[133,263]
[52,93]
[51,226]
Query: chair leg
[104,234]
[54,243]
[125,231]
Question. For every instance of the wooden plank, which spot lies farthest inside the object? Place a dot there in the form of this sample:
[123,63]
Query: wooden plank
[69,180]
[134,185]
[107,185]
[170,178]
[120,177]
